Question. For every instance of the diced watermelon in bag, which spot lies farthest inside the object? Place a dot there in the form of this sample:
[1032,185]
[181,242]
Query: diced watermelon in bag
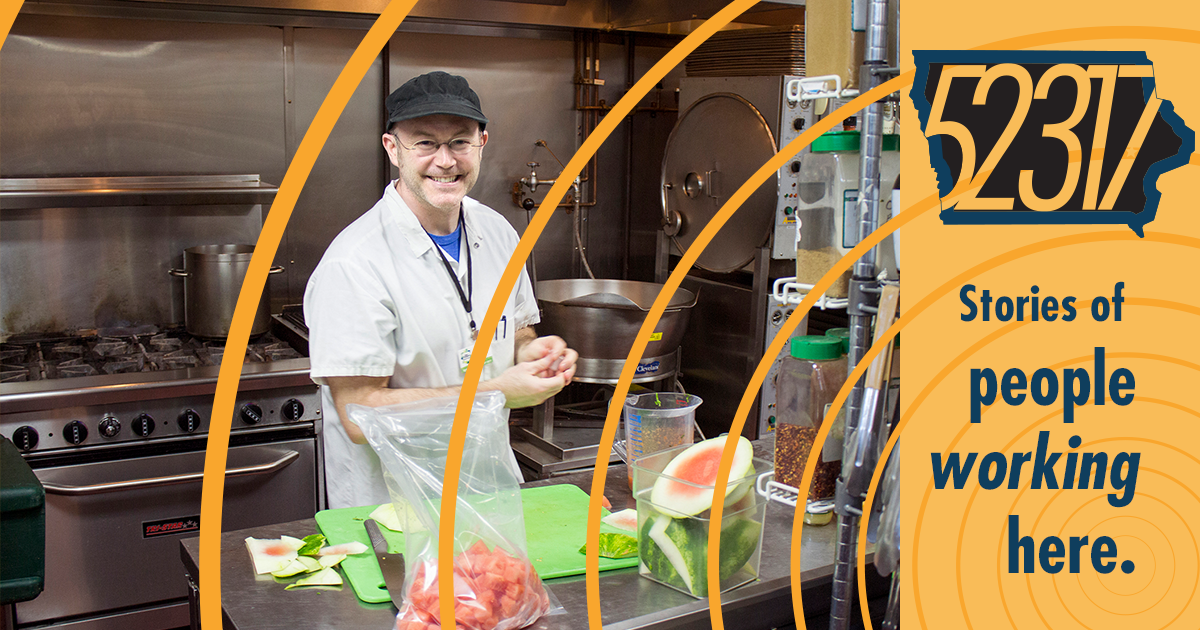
[492,589]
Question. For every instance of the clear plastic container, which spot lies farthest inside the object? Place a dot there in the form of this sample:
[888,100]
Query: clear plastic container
[826,215]
[657,421]
[809,379]
[741,530]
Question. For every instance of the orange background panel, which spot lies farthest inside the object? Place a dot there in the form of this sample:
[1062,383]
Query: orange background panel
[955,551]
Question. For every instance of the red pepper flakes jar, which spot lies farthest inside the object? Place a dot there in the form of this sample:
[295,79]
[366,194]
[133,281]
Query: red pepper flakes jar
[808,381]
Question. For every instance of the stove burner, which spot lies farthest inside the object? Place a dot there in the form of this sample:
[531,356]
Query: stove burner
[47,357]
[13,374]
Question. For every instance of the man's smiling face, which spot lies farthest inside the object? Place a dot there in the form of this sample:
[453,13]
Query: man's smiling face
[435,184]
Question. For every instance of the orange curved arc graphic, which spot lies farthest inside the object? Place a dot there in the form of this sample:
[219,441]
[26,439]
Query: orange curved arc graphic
[760,373]
[994,336]
[213,486]
[958,360]
[924,303]
[887,337]
[1043,420]
[998,260]
[8,15]
[1195,497]
[1195,547]
[504,288]
[1025,41]
[256,275]
[280,212]
[903,321]
[975,490]
[1058,593]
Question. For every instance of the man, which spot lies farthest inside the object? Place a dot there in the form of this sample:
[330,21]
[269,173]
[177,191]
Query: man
[393,306]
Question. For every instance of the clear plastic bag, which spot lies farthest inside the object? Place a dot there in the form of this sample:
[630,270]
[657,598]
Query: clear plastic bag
[495,586]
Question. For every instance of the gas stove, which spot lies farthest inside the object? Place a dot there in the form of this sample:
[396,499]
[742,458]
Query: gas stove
[90,353]
[98,388]
[115,425]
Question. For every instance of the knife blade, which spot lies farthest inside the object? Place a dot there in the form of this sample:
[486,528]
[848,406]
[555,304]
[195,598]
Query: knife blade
[391,565]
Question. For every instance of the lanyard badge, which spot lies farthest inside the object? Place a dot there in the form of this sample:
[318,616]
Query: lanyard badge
[464,357]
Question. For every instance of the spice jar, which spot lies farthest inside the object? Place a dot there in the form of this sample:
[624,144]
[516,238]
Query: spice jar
[827,214]
[842,334]
[809,379]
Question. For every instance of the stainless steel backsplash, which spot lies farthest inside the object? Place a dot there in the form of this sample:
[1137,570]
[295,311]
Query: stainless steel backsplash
[117,93]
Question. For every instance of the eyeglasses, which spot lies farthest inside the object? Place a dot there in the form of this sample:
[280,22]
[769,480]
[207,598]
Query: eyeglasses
[426,148]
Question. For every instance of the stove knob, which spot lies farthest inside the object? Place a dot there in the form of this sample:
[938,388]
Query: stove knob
[25,438]
[189,421]
[143,425]
[293,410]
[251,413]
[75,432]
[110,427]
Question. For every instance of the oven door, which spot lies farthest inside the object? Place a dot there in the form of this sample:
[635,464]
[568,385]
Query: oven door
[113,528]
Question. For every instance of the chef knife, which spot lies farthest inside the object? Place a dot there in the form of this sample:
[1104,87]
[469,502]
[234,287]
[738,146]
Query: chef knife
[390,564]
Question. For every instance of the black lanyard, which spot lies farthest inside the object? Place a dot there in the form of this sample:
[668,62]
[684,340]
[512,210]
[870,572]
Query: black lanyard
[464,297]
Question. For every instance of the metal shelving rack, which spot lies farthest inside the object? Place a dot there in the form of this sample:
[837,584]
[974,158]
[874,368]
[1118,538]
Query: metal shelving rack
[862,306]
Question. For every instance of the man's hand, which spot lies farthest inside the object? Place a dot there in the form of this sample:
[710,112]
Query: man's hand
[544,366]
[526,384]
[562,358]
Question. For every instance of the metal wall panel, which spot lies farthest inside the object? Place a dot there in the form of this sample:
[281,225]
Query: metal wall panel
[130,97]
[602,226]
[71,268]
[126,97]
[718,352]
[347,178]
[650,135]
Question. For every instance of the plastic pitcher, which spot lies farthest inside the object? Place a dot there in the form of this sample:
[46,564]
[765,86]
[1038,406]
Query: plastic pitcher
[657,421]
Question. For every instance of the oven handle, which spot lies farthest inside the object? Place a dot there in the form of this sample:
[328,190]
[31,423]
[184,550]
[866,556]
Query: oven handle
[257,469]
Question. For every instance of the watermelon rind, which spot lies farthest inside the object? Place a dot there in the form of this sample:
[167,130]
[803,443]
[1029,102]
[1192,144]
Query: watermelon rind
[624,520]
[675,551]
[324,577]
[272,554]
[666,495]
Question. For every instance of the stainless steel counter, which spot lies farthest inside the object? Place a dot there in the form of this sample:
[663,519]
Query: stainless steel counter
[253,602]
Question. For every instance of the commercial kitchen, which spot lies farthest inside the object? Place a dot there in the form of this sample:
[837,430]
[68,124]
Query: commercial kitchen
[142,145]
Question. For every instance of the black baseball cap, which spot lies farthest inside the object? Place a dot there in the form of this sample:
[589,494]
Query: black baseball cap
[434,93]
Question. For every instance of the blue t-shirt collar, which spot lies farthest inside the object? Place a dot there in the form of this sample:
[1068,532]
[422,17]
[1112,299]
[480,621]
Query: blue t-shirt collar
[449,242]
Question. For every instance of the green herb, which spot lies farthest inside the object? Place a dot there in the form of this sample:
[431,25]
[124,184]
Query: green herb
[615,546]
[312,544]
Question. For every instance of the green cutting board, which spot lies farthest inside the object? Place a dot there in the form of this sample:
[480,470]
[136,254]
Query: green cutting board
[555,529]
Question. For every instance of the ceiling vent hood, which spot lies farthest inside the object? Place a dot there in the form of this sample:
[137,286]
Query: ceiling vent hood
[658,16]
[557,3]
[681,18]
[151,190]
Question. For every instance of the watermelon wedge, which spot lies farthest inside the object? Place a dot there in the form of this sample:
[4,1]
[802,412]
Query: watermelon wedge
[685,487]
[272,554]
[625,519]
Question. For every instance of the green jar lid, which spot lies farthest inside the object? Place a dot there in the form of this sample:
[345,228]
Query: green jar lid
[843,334]
[816,347]
[848,142]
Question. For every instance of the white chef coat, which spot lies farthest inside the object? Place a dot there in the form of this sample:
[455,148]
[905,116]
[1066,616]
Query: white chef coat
[380,303]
